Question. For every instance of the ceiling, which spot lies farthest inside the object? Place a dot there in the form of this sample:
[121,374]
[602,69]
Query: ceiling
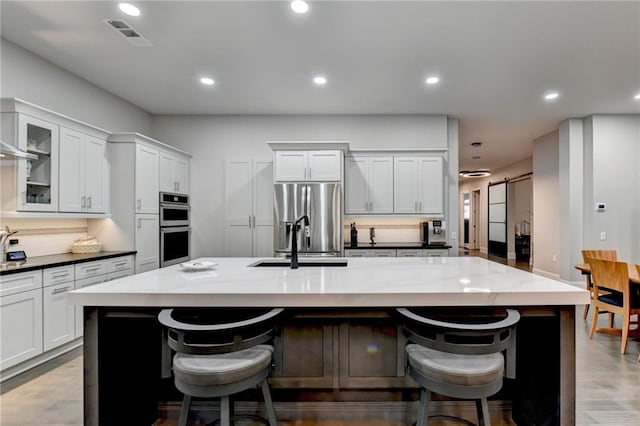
[495,60]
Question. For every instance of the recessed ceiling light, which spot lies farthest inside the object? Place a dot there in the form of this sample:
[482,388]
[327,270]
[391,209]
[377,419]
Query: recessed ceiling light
[129,9]
[551,96]
[320,80]
[299,6]
[432,80]
[637,97]
[207,81]
[475,173]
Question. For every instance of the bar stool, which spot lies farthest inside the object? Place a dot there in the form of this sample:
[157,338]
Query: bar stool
[219,353]
[459,359]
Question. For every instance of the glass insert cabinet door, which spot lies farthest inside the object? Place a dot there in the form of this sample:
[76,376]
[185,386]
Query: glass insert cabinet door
[37,180]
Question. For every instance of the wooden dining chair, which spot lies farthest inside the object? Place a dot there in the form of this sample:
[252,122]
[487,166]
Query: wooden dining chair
[613,277]
[596,254]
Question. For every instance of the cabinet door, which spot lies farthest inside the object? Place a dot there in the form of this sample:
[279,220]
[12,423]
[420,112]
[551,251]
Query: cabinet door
[147,242]
[431,185]
[147,185]
[20,327]
[96,175]
[304,355]
[38,179]
[72,171]
[405,182]
[356,194]
[372,354]
[380,179]
[79,310]
[58,315]
[262,208]
[181,174]
[238,205]
[291,166]
[325,166]
[166,181]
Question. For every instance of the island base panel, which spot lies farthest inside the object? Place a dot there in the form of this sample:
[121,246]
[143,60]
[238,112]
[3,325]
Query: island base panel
[332,356]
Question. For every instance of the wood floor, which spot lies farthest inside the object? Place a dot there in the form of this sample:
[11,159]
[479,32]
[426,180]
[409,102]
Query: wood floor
[607,388]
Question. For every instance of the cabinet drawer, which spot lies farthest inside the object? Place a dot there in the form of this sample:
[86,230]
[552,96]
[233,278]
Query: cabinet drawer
[357,253]
[120,274]
[436,253]
[383,253]
[90,269]
[62,274]
[17,283]
[119,264]
[409,253]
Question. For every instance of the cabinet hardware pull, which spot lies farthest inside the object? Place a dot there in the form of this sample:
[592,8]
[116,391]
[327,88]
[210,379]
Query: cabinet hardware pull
[120,264]
[60,290]
[139,223]
[178,186]
[88,202]
[60,275]
[309,173]
[24,197]
[83,201]
[420,205]
[139,203]
[95,268]
[249,221]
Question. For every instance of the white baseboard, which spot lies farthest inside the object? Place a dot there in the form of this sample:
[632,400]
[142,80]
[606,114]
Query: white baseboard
[39,359]
[511,255]
[546,273]
[484,250]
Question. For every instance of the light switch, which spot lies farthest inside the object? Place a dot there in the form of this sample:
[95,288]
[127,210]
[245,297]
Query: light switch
[603,236]
[454,235]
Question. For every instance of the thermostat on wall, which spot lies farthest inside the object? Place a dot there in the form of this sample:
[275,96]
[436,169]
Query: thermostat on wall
[600,207]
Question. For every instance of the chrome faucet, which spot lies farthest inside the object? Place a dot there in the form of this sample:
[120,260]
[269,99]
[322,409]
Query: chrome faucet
[294,241]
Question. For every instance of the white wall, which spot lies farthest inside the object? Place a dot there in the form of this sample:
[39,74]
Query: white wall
[612,176]
[214,139]
[31,78]
[546,205]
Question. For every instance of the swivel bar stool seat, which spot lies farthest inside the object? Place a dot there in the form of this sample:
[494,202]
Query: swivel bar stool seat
[220,352]
[459,360]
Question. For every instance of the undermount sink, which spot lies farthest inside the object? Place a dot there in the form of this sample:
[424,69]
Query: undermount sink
[301,262]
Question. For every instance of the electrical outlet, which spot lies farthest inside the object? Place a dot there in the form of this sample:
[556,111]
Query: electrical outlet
[554,258]
[603,236]
[13,241]
[454,235]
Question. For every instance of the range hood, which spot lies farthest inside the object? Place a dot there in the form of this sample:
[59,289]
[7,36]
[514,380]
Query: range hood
[11,152]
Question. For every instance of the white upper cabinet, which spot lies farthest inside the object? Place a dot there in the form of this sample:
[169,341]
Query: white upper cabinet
[301,166]
[418,185]
[174,173]
[147,185]
[369,185]
[431,185]
[84,173]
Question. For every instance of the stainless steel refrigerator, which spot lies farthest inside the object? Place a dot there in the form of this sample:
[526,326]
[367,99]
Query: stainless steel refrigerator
[322,202]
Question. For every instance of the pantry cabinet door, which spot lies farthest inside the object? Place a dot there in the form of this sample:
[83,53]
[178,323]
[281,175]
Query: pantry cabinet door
[147,180]
[181,174]
[166,183]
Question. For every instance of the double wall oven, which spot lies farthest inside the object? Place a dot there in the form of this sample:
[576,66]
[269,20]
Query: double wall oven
[175,229]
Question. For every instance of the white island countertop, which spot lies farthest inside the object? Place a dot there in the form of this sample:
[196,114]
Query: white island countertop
[365,282]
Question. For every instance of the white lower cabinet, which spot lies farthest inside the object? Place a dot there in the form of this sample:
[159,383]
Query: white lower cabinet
[20,317]
[58,316]
[396,253]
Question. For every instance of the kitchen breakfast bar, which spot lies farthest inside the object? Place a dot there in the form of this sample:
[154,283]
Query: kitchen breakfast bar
[339,340]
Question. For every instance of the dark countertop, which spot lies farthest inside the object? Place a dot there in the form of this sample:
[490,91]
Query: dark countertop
[41,262]
[389,246]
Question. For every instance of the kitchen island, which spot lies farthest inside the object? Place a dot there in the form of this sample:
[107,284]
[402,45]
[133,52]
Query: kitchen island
[340,339]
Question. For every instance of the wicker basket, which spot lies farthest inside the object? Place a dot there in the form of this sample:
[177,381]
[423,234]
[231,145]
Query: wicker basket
[86,248]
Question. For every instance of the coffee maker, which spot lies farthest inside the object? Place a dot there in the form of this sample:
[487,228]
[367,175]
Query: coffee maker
[433,232]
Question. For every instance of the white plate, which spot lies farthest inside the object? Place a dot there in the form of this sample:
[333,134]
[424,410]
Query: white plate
[197,266]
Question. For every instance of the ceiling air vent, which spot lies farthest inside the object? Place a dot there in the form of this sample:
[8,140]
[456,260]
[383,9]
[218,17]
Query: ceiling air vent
[127,32]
